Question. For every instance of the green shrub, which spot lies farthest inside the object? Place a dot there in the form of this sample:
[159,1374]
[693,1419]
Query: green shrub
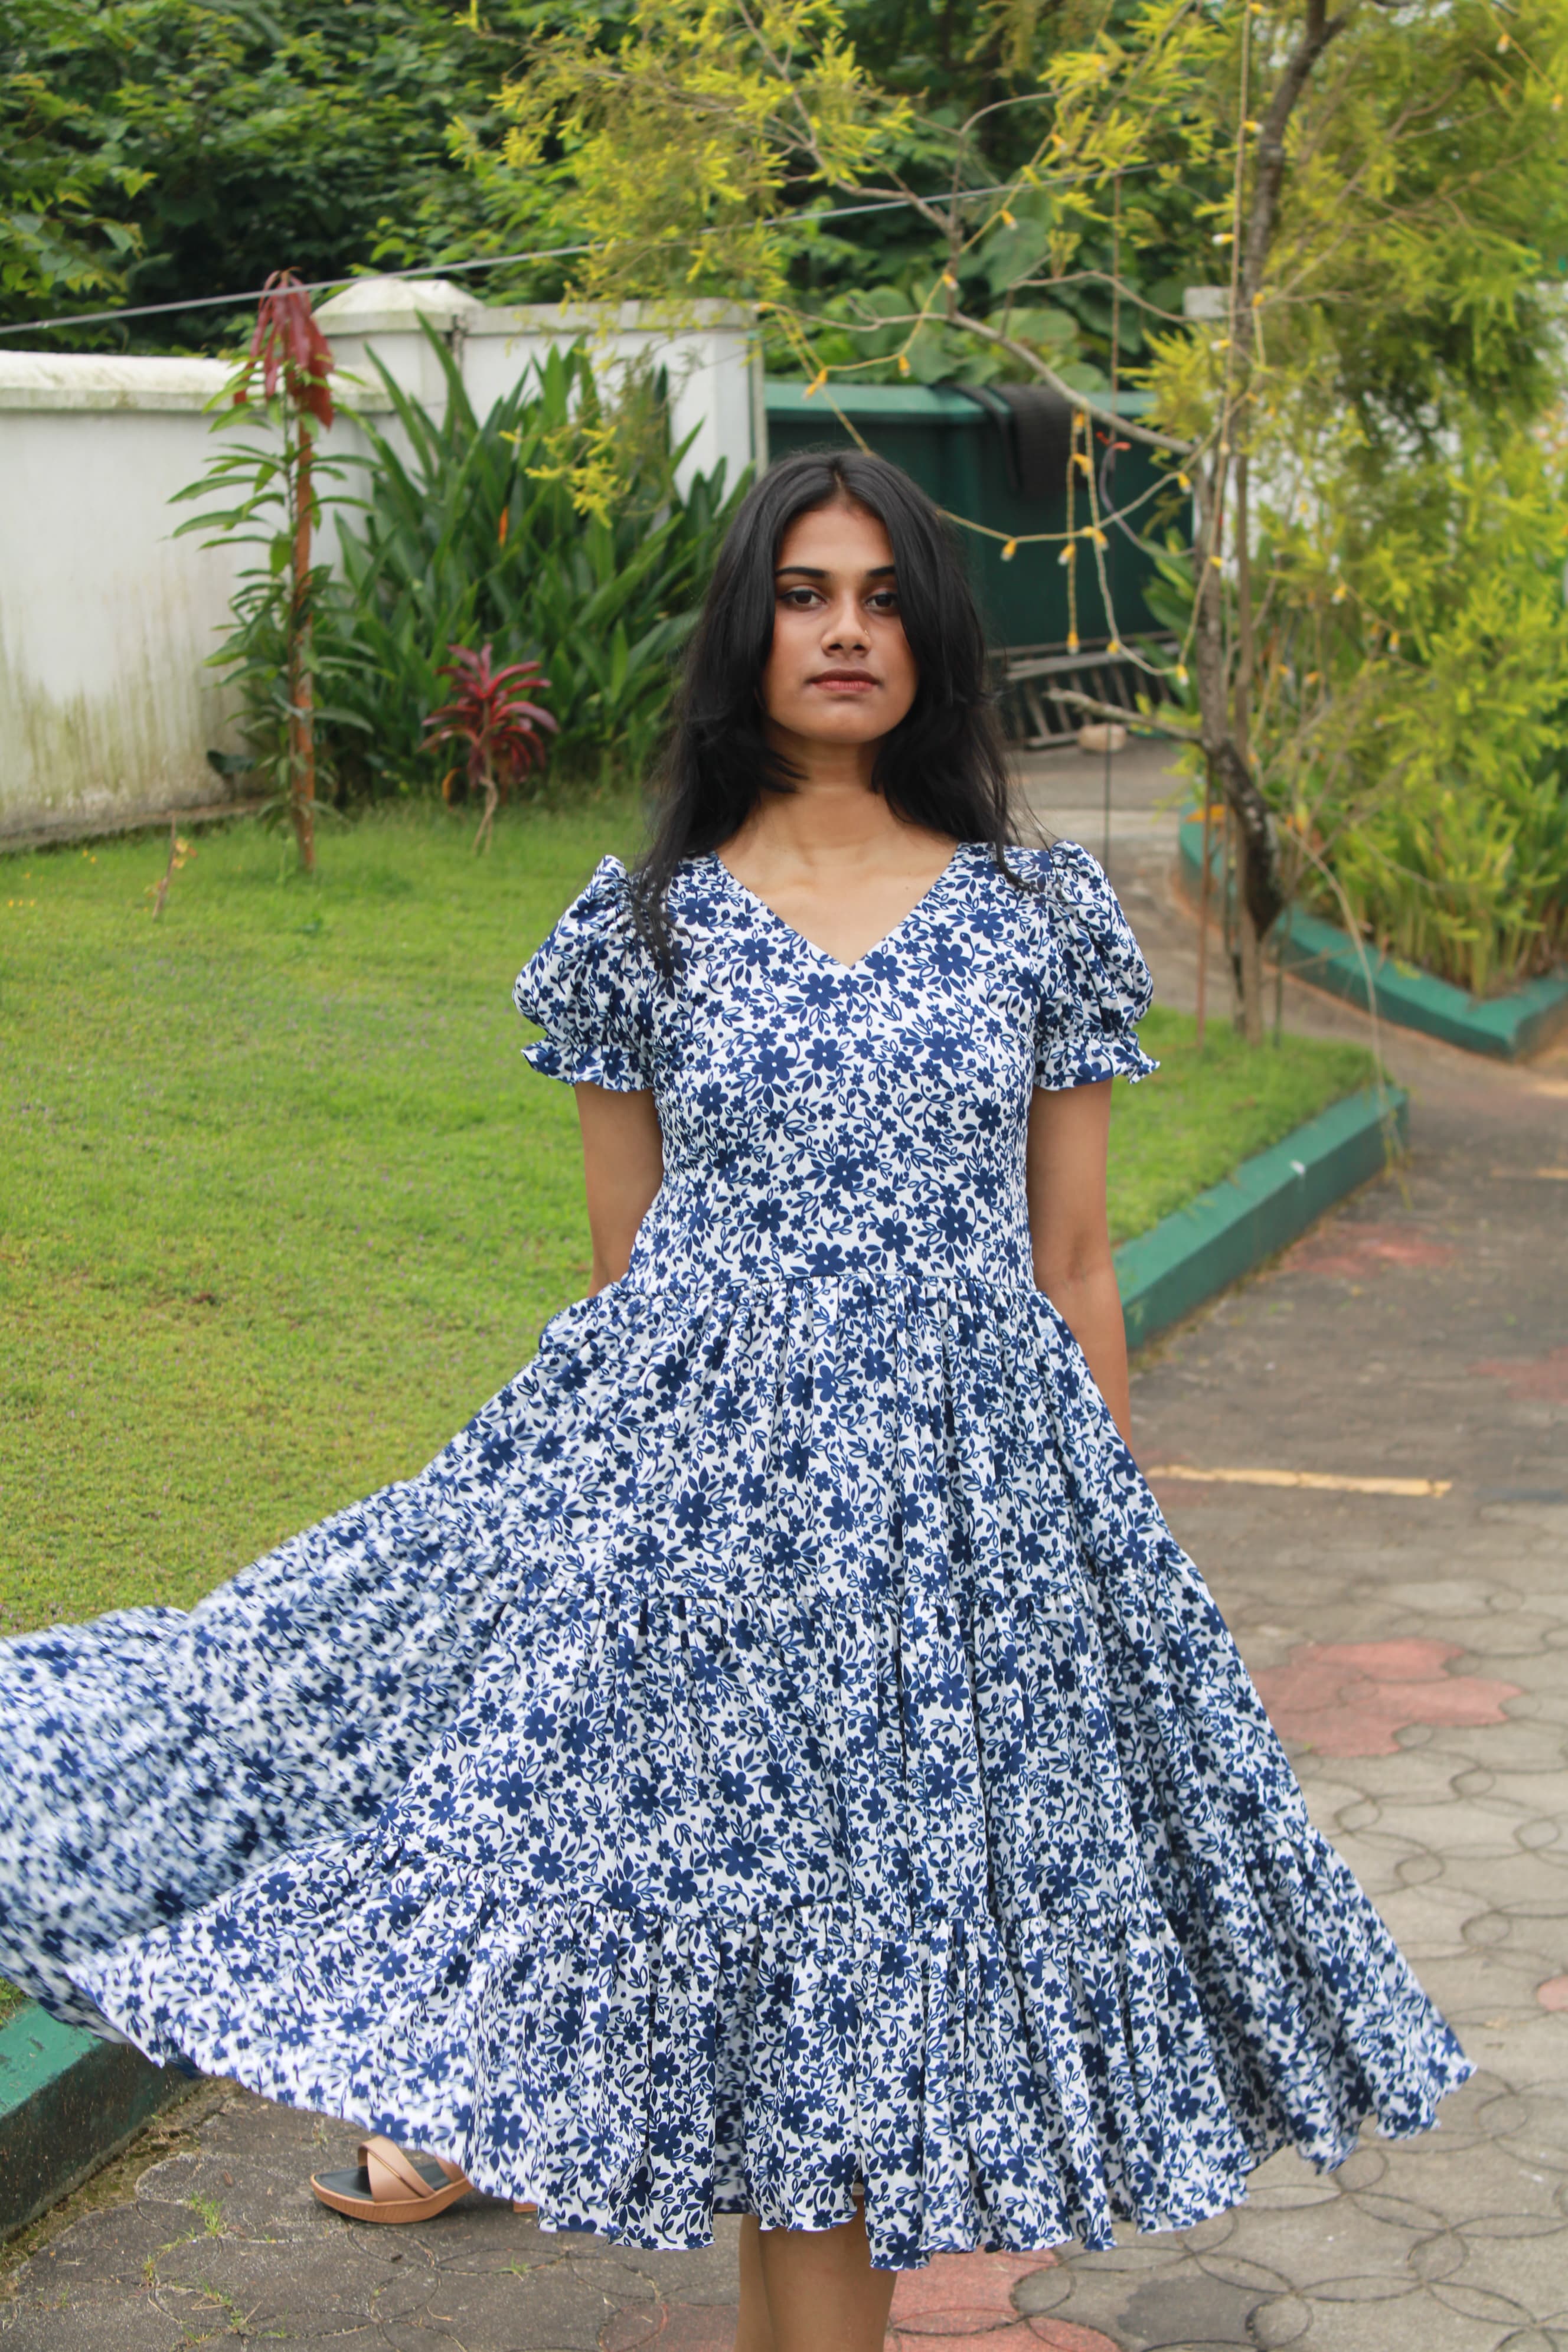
[553,529]
[1472,886]
[1414,745]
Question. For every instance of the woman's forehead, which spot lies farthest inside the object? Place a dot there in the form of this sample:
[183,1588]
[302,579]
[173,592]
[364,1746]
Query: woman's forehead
[841,535]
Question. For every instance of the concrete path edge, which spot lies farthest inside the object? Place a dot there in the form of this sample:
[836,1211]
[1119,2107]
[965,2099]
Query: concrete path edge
[1258,1210]
[1505,1027]
[69,2102]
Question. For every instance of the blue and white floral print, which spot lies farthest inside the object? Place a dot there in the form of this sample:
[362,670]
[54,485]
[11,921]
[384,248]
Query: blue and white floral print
[779,1742]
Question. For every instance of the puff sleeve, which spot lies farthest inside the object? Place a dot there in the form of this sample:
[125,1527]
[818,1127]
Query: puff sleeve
[1094,985]
[593,989]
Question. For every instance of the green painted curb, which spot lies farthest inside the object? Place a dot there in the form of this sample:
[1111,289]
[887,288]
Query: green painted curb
[1259,1207]
[68,2103]
[1503,1026]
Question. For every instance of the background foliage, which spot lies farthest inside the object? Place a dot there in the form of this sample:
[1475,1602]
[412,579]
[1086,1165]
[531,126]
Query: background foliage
[151,149]
[1376,658]
[553,528]
[1418,738]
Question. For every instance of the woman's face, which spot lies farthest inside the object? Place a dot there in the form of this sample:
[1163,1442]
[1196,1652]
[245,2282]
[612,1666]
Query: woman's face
[840,669]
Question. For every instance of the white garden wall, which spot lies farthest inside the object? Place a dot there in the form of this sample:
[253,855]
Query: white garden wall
[707,349]
[106,706]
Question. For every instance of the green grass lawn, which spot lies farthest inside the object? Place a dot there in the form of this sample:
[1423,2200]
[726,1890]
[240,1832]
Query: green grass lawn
[281,1204]
[1174,1134]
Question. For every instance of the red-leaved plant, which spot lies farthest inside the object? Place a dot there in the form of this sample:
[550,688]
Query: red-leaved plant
[285,658]
[288,345]
[491,713]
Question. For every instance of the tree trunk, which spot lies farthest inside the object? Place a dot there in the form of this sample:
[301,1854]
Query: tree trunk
[1249,963]
[301,695]
[1230,775]
[1248,974]
[1224,721]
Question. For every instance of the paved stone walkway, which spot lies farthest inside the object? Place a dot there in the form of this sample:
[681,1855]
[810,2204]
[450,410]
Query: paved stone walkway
[1415,1654]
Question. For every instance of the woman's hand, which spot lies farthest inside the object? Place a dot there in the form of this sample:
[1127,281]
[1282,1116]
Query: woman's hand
[1069,1233]
[623,1168]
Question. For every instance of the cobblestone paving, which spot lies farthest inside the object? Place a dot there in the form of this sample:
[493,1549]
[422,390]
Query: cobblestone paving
[1414,1653]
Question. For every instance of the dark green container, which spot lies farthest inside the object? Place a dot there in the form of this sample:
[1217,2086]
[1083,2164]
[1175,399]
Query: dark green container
[956,451]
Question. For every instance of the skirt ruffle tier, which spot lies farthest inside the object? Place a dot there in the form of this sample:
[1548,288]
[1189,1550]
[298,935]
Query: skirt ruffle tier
[778,1744]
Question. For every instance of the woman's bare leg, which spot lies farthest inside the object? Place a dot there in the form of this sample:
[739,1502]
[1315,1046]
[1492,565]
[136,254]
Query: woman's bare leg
[754,2331]
[811,2290]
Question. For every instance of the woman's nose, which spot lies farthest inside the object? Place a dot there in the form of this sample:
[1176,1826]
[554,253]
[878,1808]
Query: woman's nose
[844,631]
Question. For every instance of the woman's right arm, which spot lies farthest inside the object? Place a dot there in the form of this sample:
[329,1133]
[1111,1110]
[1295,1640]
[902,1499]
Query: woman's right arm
[623,1168]
[1069,1231]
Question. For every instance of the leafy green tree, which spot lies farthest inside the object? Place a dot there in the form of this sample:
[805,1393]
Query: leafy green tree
[1397,189]
[67,177]
[1377,190]
[151,149]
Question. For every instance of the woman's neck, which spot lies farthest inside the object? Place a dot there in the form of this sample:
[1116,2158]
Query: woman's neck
[833,813]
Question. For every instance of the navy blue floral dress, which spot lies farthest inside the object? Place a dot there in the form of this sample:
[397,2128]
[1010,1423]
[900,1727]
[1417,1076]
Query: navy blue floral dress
[778,1745]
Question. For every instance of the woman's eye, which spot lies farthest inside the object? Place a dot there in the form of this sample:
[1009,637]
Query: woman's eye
[799,600]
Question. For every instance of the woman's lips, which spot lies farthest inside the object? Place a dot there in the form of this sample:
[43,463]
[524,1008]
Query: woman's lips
[845,682]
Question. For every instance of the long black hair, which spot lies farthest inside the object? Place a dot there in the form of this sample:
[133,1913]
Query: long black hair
[941,767]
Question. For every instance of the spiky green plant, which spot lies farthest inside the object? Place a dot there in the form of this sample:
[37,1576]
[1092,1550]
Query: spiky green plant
[552,529]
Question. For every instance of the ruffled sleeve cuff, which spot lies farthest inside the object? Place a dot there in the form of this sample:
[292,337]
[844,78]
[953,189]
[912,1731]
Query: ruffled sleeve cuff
[592,989]
[1097,985]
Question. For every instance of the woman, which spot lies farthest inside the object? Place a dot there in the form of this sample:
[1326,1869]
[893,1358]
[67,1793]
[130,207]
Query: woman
[776,1760]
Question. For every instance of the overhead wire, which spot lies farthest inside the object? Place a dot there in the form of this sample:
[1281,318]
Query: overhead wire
[415,272]
[483,261]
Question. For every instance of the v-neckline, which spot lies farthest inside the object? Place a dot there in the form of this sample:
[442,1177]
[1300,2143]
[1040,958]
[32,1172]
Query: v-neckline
[826,954]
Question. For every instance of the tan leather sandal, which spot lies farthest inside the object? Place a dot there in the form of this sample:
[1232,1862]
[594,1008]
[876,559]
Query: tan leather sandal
[392,2187]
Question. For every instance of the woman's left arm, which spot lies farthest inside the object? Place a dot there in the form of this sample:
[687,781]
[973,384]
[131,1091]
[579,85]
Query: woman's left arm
[623,1168]
[1070,1129]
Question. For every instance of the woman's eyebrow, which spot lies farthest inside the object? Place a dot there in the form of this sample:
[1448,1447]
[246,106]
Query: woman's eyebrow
[812,571]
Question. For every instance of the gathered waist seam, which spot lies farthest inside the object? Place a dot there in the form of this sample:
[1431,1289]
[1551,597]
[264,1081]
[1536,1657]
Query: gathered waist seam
[711,1285]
